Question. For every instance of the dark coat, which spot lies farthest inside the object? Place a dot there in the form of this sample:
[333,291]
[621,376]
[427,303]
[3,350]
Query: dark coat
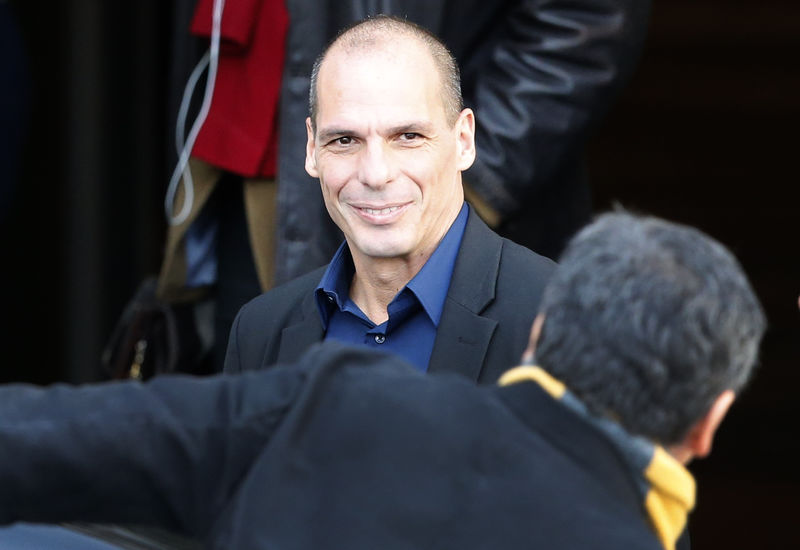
[539,75]
[348,449]
[485,325]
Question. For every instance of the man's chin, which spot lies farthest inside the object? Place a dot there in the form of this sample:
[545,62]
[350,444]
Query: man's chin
[387,253]
[380,249]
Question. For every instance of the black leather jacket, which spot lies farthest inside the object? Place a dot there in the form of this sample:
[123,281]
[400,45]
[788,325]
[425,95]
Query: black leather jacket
[539,74]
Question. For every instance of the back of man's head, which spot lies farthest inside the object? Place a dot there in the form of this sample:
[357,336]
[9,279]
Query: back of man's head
[649,322]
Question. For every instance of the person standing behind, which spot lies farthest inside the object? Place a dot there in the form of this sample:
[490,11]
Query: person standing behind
[419,275]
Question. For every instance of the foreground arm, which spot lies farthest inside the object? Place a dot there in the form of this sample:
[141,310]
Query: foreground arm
[168,453]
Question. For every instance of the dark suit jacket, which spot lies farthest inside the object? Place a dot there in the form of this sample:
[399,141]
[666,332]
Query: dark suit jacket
[486,322]
[348,449]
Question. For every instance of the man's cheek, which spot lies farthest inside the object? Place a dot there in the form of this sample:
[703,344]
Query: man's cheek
[342,182]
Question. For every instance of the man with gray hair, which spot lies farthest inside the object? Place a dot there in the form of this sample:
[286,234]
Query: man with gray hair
[661,332]
[647,332]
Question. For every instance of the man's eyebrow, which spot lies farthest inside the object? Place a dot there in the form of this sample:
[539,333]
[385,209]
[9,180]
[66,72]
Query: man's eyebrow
[410,127]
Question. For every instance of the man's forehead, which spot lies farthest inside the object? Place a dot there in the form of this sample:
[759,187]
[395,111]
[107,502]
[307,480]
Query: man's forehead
[361,78]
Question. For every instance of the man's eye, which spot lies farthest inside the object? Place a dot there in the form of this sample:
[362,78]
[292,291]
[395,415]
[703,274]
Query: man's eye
[344,140]
[410,136]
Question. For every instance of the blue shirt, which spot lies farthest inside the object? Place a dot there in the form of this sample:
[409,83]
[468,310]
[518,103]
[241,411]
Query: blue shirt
[414,313]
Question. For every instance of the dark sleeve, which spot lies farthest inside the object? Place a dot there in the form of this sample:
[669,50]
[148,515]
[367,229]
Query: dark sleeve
[684,541]
[170,452]
[540,86]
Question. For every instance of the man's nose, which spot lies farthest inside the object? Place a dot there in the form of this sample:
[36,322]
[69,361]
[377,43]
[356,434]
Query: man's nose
[375,169]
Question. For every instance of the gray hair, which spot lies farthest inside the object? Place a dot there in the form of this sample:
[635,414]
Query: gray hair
[649,321]
[382,30]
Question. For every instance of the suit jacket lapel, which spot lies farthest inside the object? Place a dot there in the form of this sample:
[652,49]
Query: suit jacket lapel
[298,337]
[463,336]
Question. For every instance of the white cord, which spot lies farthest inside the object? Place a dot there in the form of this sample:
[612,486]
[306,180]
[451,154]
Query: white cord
[188,92]
[182,168]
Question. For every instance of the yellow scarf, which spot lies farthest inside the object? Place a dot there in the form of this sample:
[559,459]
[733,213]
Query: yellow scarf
[670,491]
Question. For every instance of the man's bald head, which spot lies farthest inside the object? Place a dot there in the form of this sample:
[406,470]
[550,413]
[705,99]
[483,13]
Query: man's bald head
[387,33]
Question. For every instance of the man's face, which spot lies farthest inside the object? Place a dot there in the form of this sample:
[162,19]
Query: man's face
[389,163]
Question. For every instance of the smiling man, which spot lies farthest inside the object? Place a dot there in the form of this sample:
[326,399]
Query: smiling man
[419,275]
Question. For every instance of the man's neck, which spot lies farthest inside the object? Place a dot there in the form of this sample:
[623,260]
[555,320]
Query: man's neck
[378,280]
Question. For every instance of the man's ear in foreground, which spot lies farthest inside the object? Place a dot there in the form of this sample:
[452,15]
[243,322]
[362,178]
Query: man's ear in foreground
[536,329]
[698,442]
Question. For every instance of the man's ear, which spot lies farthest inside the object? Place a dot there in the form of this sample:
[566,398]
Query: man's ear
[311,159]
[700,438]
[536,329]
[465,136]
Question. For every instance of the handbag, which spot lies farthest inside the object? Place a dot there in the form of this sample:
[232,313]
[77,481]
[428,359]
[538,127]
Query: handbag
[145,341]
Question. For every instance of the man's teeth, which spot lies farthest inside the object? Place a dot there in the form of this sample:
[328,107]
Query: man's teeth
[380,212]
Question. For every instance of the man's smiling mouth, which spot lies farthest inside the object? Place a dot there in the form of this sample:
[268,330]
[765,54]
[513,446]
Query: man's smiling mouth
[380,215]
[381,211]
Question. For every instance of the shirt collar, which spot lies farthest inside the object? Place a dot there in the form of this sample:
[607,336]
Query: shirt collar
[429,285]
[334,287]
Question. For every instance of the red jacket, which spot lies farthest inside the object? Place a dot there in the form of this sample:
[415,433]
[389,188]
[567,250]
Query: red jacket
[240,132]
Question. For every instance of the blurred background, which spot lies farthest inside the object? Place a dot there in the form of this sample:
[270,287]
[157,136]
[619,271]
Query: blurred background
[705,134]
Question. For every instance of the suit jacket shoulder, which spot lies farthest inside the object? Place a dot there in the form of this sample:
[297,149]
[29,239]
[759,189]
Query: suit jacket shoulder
[356,433]
[491,303]
[256,335]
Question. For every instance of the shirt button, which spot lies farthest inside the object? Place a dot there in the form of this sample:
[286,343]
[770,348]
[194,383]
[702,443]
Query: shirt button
[330,298]
[380,338]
